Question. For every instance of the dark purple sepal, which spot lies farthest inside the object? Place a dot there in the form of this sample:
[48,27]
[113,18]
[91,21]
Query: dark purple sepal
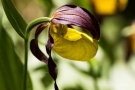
[78,16]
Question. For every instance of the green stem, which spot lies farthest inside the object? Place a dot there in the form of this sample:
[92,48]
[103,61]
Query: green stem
[25,64]
[29,27]
[35,22]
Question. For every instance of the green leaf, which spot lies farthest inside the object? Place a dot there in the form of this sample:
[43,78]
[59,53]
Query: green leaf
[11,68]
[16,20]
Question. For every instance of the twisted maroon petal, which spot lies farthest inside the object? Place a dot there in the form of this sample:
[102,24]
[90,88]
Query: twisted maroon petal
[37,52]
[53,71]
[78,16]
[49,44]
[34,45]
[51,65]
[40,29]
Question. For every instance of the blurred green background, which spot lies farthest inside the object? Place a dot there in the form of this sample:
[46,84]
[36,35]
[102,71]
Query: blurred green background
[111,69]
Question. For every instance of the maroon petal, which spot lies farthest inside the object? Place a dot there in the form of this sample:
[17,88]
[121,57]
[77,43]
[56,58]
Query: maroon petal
[49,44]
[51,65]
[40,29]
[37,52]
[53,71]
[78,16]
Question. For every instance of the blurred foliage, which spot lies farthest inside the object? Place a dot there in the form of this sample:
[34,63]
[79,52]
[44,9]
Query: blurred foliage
[46,4]
[112,48]
[11,67]
[78,87]
[46,79]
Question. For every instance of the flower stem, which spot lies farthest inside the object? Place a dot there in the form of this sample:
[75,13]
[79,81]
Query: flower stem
[29,27]
[25,64]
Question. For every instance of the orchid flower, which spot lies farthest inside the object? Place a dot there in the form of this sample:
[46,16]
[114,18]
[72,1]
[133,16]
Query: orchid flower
[64,39]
